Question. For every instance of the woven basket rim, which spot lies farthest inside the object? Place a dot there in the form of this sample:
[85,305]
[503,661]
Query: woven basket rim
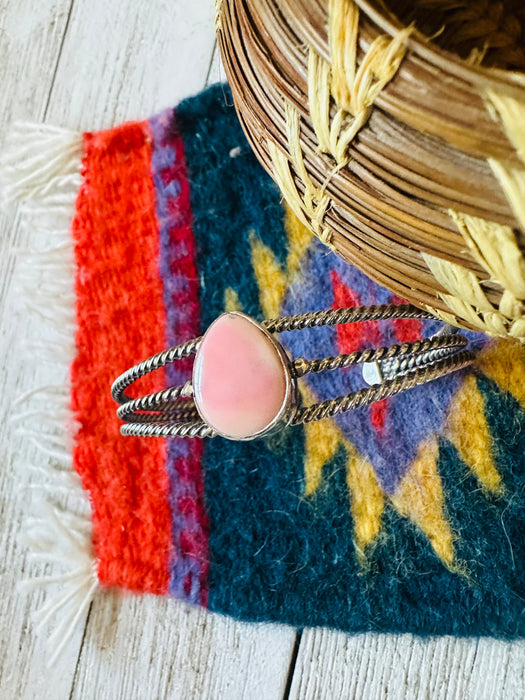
[365,187]
[507,81]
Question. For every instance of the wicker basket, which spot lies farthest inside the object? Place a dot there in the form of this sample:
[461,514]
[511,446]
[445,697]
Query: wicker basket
[406,155]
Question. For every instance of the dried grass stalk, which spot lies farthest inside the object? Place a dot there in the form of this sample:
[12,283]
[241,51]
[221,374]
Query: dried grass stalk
[396,131]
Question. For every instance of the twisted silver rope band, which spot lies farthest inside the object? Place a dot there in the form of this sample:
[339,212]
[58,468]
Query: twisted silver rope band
[150,364]
[418,353]
[191,430]
[165,406]
[172,412]
[351,314]
[414,377]
[276,325]
[419,369]
[183,413]
[159,401]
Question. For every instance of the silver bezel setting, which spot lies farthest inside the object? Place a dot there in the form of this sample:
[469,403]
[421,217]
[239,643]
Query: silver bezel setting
[288,406]
[165,413]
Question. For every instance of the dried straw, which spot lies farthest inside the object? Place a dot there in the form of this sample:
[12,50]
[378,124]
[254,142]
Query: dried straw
[403,153]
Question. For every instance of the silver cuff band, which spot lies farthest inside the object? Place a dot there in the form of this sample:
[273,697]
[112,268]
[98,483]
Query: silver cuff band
[174,412]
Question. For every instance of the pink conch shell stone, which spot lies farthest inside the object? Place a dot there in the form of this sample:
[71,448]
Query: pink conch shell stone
[239,379]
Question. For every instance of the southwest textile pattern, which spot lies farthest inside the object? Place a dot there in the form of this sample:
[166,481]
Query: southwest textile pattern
[407,515]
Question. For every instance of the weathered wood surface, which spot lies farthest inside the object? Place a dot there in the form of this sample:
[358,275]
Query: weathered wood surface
[335,665]
[88,64]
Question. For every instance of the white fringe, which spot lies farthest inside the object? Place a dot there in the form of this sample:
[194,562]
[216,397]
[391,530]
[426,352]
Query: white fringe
[41,170]
[41,166]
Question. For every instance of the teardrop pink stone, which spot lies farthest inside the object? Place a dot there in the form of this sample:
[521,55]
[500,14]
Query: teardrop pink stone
[239,379]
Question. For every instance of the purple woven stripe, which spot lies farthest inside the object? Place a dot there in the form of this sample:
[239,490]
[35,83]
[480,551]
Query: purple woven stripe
[177,268]
[412,417]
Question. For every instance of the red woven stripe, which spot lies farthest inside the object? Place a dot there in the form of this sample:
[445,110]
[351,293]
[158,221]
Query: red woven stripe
[120,318]
[190,527]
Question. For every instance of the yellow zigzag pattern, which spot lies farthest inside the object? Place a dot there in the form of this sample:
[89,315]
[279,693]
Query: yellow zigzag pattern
[468,431]
[420,494]
[504,362]
[367,501]
[272,280]
[420,498]
[231,300]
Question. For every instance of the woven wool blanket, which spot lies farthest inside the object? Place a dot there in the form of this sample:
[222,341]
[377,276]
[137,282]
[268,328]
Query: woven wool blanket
[406,515]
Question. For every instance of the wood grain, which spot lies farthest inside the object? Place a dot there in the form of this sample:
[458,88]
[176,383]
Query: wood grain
[30,39]
[89,64]
[335,665]
[127,60]
[140,647]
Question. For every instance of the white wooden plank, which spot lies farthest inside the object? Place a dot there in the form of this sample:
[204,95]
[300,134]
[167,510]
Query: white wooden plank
[127,60]
[156,648]
[334,665]
[30,39]
[121,61]
[153,647]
